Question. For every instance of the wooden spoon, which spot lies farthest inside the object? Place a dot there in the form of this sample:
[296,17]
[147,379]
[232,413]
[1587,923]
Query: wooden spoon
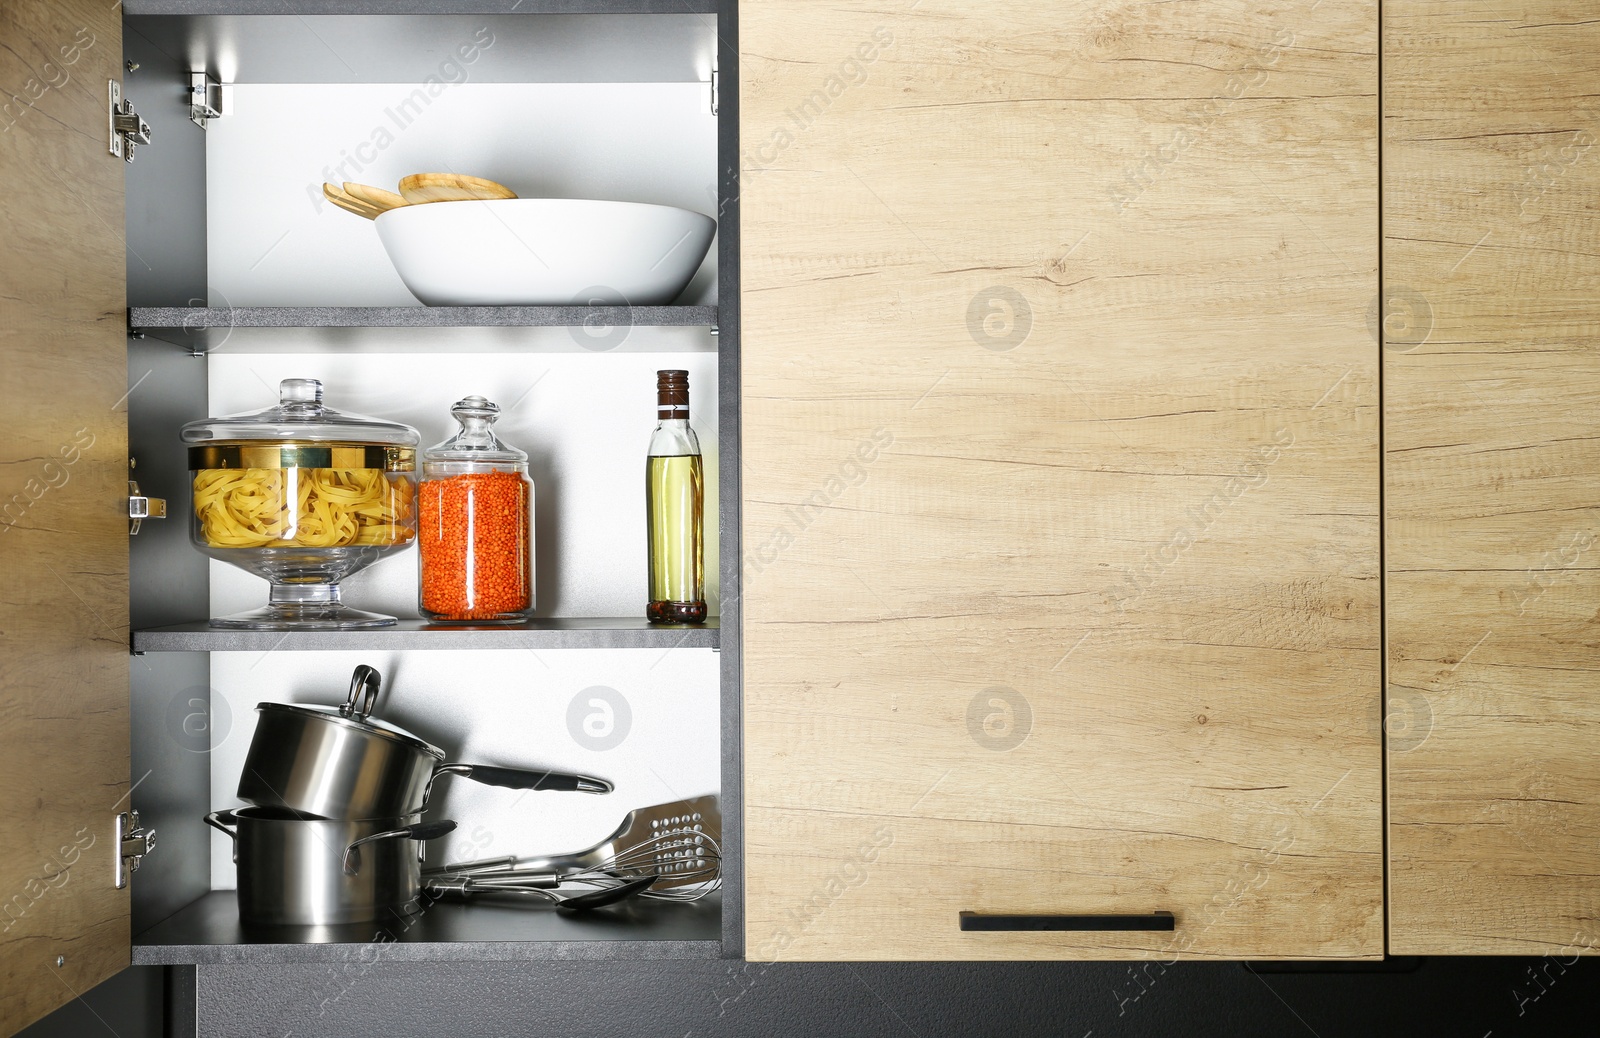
[451,187]
[348,202]
[377,197]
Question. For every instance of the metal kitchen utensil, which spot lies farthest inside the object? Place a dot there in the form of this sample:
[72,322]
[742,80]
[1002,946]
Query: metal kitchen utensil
[605,895]
[609,893]
[678,842]
[420,188]
[291,869]
[339,762]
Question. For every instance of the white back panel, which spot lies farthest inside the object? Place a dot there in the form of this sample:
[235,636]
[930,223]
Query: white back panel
[273,240]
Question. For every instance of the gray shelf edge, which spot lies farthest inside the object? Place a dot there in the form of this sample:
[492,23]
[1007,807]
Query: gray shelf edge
[190,320]
[199,637]
[312,954]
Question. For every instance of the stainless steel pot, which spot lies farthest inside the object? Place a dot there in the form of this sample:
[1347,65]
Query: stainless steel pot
[337,762]
[314,872]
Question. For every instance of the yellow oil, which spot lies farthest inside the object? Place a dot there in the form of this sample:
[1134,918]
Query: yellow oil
[675,502]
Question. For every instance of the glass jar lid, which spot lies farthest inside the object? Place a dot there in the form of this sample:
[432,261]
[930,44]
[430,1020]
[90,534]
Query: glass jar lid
[475,441]
[300,417]
[300,431]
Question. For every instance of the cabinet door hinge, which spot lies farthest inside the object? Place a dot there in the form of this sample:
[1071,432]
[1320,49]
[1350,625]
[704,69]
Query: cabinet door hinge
[127,129]
[208,99]
[141,508]
[133,841]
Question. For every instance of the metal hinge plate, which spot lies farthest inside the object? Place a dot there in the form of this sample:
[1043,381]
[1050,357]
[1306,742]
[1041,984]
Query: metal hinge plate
[133,841]
[207,99]
[127,130]
[141,508]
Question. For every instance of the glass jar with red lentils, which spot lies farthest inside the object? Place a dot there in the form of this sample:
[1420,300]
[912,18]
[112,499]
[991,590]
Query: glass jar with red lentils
[475,524]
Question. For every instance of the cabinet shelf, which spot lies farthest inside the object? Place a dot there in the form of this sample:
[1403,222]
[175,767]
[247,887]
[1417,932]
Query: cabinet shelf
[208,931]
[199,327]
[596,632]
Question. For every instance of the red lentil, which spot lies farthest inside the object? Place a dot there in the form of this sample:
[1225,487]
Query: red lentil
[474,538]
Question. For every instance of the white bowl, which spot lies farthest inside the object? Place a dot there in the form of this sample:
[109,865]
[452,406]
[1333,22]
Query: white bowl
[545,251]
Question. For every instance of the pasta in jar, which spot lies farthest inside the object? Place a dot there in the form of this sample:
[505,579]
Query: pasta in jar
[303,507]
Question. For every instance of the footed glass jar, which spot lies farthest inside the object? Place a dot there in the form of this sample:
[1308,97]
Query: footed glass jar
[304,496]
[475,531]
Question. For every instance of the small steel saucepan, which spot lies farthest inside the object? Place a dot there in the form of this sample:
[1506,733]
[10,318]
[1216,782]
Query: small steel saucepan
[337,762]
[316,872]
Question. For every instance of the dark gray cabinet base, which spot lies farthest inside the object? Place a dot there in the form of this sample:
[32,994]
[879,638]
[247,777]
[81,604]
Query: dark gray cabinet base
[1451,998]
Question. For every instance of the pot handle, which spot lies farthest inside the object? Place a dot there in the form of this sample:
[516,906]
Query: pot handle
[521,778]
[364,685]
[220,820]
[420,831]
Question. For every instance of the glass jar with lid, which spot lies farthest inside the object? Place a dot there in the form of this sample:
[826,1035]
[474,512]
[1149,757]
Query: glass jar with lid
[302,495]
[475,536]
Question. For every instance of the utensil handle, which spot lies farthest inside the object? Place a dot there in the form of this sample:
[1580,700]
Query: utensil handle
[364,686]
[521,778]
[973,921]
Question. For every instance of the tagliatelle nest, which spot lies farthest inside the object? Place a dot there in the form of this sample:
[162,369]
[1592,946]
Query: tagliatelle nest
[303,508]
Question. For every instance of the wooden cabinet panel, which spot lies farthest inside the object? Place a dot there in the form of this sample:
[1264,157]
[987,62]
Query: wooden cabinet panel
[1492,373]
[1061,473]
[63,543]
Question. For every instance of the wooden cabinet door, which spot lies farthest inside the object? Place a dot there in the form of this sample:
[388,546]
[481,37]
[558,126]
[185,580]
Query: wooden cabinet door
[63,541]
[1061,477]
[1492,366]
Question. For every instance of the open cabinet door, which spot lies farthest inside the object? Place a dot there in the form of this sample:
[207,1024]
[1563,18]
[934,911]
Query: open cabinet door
[64,529]
[1061,472]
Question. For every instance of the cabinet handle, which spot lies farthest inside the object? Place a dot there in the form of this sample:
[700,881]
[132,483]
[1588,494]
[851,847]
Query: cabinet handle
[1153,921]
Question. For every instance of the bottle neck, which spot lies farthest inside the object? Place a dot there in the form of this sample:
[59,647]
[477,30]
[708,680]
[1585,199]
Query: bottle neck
[673,437]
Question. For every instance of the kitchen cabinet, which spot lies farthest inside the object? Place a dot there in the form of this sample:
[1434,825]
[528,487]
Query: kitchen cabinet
[1061,462]
[234,276]
[1491,375]
[1056,439]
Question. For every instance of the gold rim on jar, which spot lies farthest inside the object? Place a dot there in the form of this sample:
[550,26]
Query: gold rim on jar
[265,455]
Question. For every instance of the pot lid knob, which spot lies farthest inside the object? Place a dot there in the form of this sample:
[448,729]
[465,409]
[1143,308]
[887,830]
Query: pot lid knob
[364,685]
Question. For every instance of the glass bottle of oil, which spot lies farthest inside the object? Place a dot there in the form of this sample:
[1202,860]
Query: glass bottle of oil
[675,509]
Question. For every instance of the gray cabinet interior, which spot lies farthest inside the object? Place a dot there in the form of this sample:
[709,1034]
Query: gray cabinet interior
[188,350]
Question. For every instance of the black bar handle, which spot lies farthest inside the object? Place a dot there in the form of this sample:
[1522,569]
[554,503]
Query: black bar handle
[1154,921]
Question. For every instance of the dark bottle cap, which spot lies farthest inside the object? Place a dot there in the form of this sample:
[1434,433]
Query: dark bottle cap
[672,387]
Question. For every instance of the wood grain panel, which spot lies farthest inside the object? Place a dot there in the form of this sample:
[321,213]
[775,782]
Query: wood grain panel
[1076,610]
[1492,370]
[63,478]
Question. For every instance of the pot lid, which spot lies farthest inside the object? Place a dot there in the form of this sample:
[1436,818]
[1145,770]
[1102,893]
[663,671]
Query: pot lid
[300,417]
[369,726]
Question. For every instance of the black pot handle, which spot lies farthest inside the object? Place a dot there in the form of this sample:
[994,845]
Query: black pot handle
[364,685]
[522,778]
[429,830]
[420,831]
